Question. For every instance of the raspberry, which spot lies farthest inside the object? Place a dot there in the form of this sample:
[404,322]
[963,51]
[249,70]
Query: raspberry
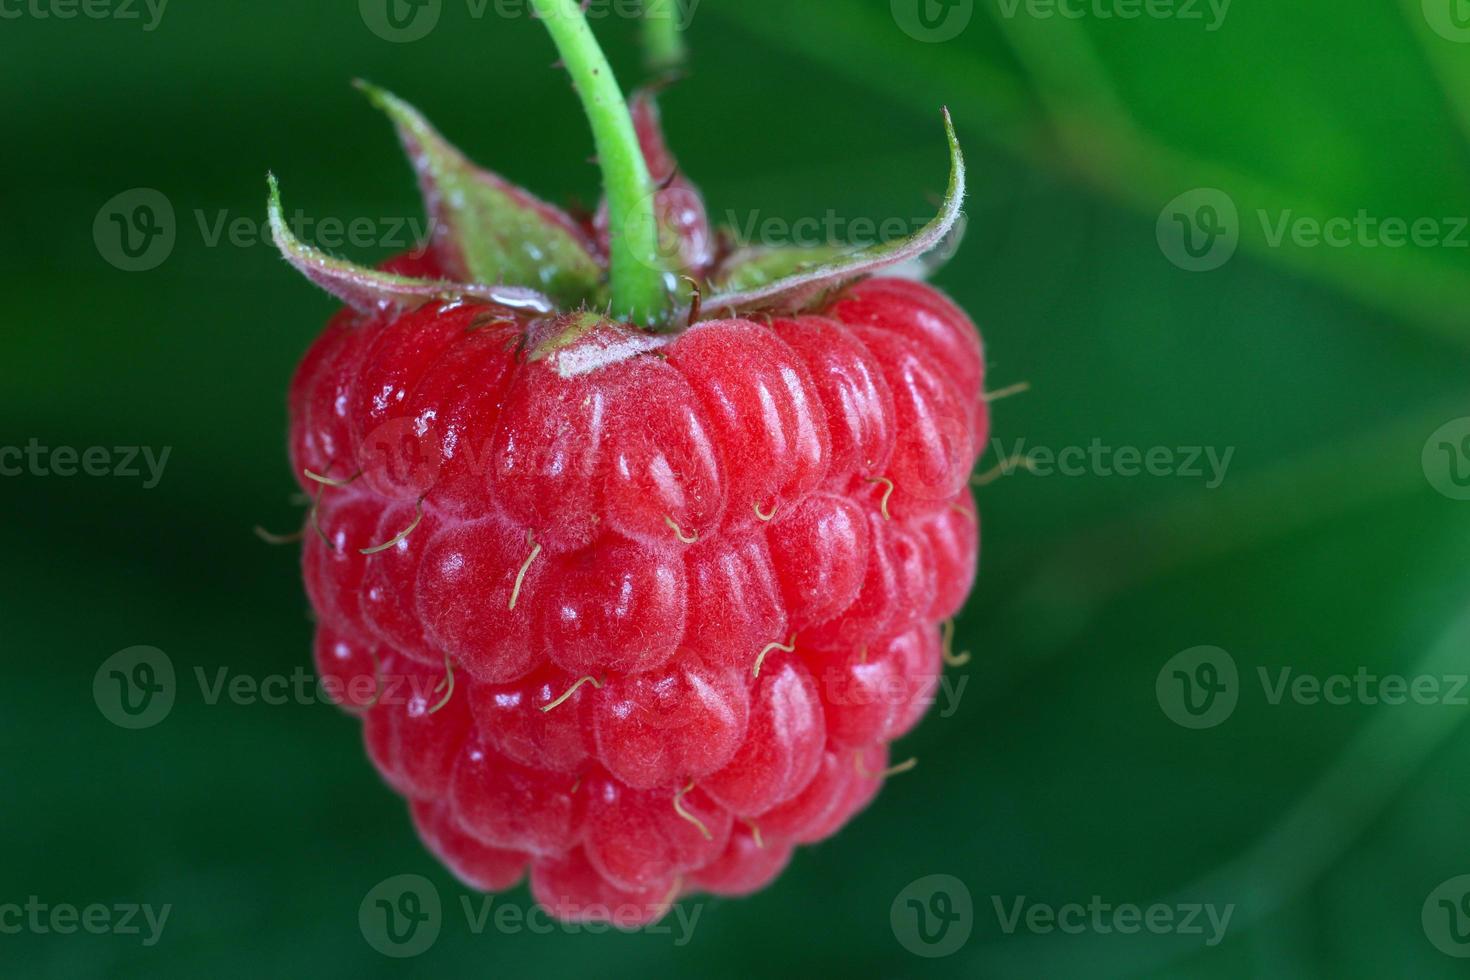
[607,714]
[639,612]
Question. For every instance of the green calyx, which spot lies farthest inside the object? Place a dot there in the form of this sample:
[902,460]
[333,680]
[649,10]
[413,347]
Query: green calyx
[640,290]
[487,230]
[784,279]
[373,290]
[487,233]
[648,259]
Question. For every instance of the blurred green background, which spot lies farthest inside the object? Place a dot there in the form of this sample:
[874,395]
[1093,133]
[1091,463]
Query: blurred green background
[1336,543]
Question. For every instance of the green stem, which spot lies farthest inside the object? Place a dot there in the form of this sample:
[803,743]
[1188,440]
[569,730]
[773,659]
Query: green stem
[663,42]
[640,291]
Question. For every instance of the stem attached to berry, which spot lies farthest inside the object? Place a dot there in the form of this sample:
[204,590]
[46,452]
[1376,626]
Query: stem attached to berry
[641,290]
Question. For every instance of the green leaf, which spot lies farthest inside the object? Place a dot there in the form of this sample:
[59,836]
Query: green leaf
[487,230]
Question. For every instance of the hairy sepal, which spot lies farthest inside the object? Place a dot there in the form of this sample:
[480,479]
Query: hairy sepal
[486,229]
[372,290]
[790,280]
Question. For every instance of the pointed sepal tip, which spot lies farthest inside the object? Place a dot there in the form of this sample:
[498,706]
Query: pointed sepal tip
[370,290]
[817,273]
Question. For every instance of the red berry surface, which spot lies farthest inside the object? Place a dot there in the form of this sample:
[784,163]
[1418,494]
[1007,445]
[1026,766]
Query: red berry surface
[643,629]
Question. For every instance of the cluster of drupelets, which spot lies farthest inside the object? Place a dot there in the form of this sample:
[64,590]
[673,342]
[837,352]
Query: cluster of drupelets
[838,619]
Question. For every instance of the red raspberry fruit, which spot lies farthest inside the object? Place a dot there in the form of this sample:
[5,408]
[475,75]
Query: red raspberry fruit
[639,611]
